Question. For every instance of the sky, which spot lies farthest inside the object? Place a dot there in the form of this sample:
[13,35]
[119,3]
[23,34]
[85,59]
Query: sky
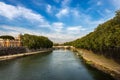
[59,20]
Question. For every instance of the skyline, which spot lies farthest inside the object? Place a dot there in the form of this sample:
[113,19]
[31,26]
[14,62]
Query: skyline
[59,20]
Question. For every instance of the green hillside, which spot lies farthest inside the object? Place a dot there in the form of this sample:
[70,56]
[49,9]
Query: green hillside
[105,39]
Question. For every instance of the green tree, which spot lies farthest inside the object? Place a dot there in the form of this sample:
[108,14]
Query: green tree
[105,39]
[7,37]
[36,42]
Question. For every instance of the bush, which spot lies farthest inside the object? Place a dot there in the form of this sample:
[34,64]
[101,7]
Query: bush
[11,50]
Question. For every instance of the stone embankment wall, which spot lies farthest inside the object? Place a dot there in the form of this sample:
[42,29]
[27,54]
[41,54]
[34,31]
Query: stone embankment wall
[11,50]
[15,52]
[100,62]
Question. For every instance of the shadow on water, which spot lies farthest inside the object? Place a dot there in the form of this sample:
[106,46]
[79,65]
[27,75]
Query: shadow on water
[96,74]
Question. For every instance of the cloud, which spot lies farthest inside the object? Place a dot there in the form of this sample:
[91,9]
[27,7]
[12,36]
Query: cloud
[108,11]
[67,22]
[68,13]
[99,3]
[16,29]
[116,3]
[65,3]
[62,12]
[61,38]
[11,12]
[57,26]
[75,29]
[49,8]
[64,33]
[57,1]
[75,13]
[79,18]
[54,36]
[9,32]
[8,10]
[59,33]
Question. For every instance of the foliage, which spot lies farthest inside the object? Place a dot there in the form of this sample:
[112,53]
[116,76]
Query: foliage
[58,44]
[7,37]
[11,50]
[104,40]
[36,42]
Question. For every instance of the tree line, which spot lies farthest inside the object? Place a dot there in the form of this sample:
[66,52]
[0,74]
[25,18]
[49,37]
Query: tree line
[36,42]
[7,37]
[32,42]
[105,39]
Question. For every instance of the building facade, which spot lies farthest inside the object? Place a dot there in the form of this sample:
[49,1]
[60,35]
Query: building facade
[11,43]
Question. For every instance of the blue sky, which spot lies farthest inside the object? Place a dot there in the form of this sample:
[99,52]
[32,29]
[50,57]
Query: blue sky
[59,20]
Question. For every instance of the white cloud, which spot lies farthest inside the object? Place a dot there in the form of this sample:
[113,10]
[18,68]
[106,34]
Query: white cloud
[116,3]
[12,12]
[57,26]
[99,3]
[63,12]
[75,13]
[54,36]
[17,30]
[8,10]
[68,12]
[65,3]
[92,24]
[46,25]
[64,34]
[59,32]
[49,8]
[78,17]
[29,14]
[57,1]
[60,37]
[75,29]
[8,33]
[108,11]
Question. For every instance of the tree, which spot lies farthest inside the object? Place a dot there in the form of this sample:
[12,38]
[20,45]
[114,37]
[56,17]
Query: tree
[7,37]
[36,42]
[105,39]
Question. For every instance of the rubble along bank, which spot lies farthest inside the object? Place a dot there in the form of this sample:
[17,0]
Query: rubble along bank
[100,62]
[7,57]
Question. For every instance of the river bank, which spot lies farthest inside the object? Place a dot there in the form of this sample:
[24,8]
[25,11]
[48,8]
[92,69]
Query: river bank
[7,57]
[100,62]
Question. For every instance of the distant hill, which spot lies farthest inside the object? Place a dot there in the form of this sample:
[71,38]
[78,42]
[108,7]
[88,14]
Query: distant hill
[105,39]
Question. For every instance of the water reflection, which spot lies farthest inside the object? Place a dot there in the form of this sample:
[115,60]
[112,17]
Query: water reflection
[56,65]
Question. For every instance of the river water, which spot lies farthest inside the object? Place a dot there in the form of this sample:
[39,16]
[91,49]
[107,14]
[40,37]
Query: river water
[56,65]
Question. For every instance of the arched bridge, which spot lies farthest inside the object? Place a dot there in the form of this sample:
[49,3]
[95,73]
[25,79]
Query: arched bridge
[63,47]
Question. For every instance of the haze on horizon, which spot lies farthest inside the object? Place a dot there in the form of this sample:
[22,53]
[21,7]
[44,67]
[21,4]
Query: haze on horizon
[59,20]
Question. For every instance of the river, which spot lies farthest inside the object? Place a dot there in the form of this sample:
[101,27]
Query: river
[55,65]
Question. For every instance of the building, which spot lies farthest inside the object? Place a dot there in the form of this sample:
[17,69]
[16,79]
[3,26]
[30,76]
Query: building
[11,43]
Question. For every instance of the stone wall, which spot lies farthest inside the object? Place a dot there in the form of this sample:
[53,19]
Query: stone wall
[11,50]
